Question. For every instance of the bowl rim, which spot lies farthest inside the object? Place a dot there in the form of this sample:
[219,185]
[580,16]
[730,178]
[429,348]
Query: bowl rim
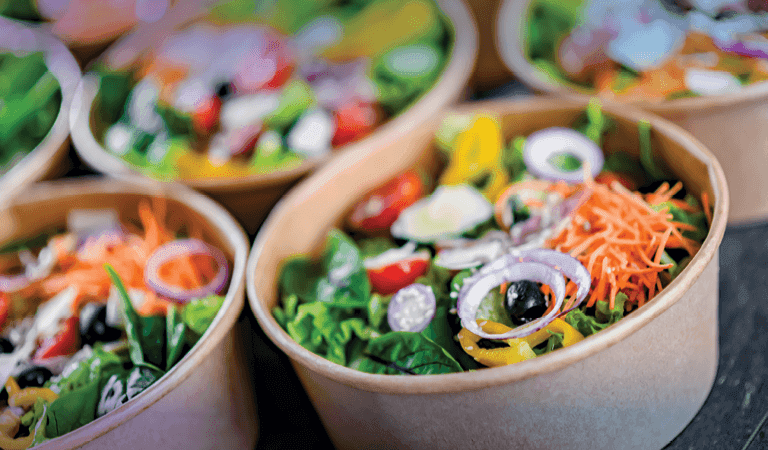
[63,66]
[224,322]
[487,377]
[510,38]
[446,88]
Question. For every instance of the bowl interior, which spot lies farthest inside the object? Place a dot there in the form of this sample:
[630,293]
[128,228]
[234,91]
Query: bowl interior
[300,223]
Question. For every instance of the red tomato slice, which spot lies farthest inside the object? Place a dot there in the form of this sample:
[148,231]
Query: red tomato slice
[5,308]
[206,115]
[65,342]
[379,209]
[395,276]
[607,178]
[353,121]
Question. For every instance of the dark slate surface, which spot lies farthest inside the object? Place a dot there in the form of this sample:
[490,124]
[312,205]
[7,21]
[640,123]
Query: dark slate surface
[734,416]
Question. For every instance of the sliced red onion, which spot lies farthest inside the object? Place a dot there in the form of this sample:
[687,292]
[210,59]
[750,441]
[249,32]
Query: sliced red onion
[185,247]
[411,308]
[565,263]
[545,222]
[466,253]
[506,270]
[543,144]
[13,283]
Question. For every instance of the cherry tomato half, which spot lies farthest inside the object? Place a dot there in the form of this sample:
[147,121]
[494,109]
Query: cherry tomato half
[65,342]
[353,121]
[607,178]
[206,115]
[395,276]
[379,209]
[5,308]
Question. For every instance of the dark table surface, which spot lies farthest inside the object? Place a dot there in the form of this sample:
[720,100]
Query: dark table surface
[734,416]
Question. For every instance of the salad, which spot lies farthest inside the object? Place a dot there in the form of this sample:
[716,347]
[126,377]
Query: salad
[246,91]
[30,100]
[513,251]
[650,50]
[93,315]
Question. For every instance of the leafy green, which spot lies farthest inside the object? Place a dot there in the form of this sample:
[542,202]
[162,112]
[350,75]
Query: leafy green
[621,162]
[91,369]
[564,161]
[175,331]
[132,318]
[375,246]
[286,311]
[339,279]
[439,330]
[513,160]
[199,313]
[377,312]
[439,278]
[152,335]
[646,151]
[604,316]
[401,352]
[114,88]
[698,219]
[492,308]
[327,331]
[554,342]
[72,410]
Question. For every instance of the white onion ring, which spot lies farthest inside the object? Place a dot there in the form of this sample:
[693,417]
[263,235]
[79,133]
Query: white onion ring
[477,286]
[539,146]
[13,283]
[178,248]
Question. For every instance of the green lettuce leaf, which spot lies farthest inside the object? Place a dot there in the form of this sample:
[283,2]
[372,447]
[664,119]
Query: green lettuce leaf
[403,352]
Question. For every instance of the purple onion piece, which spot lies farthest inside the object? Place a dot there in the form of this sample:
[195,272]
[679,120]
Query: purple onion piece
[548,218]
[508,269]
[466,253]
[542,144]
[185,247]
[565,263]
[411,308]
[753,46]
[13,283]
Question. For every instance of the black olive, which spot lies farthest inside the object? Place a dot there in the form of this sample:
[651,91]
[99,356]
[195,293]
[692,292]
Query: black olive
[93,325]
[524,302]
[5,346]
[23,432]
[652,187]
[34,376]
[223,90]
[490,344]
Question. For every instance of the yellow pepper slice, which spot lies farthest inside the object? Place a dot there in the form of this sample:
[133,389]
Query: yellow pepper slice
[9,443]
[11,386]
[27,396]
[519,349]
[478,152]
[9,423]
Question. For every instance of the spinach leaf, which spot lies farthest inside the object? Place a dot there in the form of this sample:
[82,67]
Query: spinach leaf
[132,319]
[406,352]
[647,160]
[339,279]
[286,311]
[513,160]
[152,335]
[87,371]
[175,331]
[439,330]
[328,331]
[72,410]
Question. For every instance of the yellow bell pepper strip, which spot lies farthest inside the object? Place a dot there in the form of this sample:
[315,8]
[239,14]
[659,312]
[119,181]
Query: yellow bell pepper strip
[519,349]
[11,386]
[382,26]
[9,443]
[478,153]
[27,396]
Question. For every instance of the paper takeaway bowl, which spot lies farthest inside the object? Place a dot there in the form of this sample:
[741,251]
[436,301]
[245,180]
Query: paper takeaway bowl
[734,127]
[251,197]
[205,400]
[490,70]
[635,385]
[44,161]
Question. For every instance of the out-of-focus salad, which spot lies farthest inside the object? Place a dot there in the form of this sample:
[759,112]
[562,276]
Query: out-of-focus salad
[30,100]
[250,91]
[93,315]
[650,49]
[519,250]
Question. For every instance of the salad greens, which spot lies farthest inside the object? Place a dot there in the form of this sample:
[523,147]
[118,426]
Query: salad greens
[362,302]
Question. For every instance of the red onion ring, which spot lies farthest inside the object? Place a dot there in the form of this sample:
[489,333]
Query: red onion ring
[752,46]
[13,283]
[503,270]
[178,248]
[414,300]
[543,143]
[565,263]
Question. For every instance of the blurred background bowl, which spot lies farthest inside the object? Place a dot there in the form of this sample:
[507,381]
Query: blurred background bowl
[634,385]
[251,197]
[734,127]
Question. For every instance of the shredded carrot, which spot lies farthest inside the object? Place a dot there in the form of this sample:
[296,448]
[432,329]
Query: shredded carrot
[620,239]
